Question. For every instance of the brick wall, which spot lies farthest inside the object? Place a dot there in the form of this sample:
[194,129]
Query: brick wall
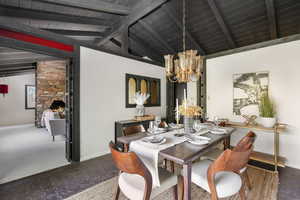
[50,85]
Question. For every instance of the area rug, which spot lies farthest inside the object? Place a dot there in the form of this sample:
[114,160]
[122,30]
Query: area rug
[265,186]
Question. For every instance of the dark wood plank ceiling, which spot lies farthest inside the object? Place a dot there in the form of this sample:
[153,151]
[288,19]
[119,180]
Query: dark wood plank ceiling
[153,28]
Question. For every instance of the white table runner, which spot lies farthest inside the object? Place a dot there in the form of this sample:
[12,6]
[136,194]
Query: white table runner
[149,153]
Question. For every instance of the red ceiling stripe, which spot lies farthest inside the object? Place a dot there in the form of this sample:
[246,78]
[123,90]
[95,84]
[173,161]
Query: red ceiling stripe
[36,40]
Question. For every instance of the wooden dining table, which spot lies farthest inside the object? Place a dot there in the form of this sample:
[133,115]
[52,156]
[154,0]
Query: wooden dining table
[185,153]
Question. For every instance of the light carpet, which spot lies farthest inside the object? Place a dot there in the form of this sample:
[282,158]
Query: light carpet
[265,186]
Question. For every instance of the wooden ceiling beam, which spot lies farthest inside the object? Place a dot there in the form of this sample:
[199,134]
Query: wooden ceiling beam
[47,24]
[272,18]
[221,22]
[156,36]
[17,12]
[173,17]
[94,5]
[76,32]
[139,11]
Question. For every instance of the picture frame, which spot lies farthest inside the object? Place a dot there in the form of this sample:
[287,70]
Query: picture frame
[30,97]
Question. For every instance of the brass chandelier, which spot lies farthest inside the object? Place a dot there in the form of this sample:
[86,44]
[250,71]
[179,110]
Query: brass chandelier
[185,66]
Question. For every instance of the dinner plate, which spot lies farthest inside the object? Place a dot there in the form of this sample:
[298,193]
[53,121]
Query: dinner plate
[199,142]
[202,137]
[155,140]
[202,132]
[218,131]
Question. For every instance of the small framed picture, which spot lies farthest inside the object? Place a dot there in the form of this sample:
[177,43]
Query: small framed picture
[30,97]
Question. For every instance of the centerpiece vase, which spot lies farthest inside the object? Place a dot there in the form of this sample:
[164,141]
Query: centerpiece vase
[188,124]
[140,110]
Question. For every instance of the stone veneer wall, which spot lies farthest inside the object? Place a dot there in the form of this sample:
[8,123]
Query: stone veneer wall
[50,85]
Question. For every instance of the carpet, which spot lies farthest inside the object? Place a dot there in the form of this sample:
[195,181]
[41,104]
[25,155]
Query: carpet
[265,186]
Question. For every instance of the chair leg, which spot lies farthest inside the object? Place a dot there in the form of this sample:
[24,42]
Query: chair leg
[180,188]
[175,190]
[117,193]
[242,192]
[247,180]
[172,166]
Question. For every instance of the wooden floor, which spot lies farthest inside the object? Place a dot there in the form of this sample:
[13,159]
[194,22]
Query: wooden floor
[63,182]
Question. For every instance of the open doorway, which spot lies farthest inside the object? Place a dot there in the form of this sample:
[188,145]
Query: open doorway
[34,113]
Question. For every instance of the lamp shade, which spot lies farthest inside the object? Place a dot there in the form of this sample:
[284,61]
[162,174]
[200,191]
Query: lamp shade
[3,89]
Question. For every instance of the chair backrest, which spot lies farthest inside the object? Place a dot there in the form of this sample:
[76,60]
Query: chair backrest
[130,163]
[130,130]
[58,126]
[229,160]
[163,124]
[246,142]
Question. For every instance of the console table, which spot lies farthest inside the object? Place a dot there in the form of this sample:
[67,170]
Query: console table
[274,159]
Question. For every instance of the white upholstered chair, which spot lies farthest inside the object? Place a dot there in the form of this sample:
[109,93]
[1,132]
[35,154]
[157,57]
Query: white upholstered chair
[135,180]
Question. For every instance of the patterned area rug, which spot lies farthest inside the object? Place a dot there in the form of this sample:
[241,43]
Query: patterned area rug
[265,186]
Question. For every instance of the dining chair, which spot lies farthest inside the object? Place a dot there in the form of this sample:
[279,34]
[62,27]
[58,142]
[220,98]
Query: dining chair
[243,145]
[135,180]
[131,130]
[221,178]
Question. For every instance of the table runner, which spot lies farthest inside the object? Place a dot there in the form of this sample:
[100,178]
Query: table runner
[149,153]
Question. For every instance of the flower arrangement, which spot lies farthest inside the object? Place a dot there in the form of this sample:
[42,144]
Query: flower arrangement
[140,98]
[189,110]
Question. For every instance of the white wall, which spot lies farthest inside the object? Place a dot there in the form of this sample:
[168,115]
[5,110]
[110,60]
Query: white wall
[102,97]
[283,63]
[12,106]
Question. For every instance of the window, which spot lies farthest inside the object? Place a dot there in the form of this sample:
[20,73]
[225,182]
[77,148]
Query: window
[135,83]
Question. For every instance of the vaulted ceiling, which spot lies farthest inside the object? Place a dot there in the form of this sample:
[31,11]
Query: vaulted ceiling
[153,28]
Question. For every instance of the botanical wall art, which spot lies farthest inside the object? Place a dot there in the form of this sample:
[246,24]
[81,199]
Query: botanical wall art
[247,90]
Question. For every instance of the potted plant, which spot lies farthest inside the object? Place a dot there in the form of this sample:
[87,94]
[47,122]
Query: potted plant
[267,111]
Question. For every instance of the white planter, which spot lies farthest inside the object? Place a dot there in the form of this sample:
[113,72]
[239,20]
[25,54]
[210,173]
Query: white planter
[268,122]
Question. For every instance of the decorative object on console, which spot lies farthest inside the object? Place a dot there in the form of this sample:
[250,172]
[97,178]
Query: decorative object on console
[247,90]
[3,89]
[267,111]
[250,120]
[189,112]
[185,66]
[140,99]
[145,117]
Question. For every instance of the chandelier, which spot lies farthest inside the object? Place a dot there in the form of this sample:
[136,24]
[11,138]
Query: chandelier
[185,66]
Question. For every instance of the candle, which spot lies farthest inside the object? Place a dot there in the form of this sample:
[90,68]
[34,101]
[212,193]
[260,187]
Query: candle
[177,111]
[185,101]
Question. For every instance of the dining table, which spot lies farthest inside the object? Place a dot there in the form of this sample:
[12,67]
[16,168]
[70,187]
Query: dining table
[184,153]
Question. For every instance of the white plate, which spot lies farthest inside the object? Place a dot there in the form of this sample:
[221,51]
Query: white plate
[202,137]
[199,142]
[202,132]
[148,140]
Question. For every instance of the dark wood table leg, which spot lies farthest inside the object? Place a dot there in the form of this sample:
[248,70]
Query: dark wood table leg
[187,176]
[227,143]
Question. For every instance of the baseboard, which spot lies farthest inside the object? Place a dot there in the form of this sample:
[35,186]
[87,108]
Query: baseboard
[85,158]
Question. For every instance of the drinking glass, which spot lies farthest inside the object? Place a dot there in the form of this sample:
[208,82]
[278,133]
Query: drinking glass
[197,125]
[157,121]
[216,121]
[151,126]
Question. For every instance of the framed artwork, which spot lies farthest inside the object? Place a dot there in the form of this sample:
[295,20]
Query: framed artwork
[247,90]
[30,97]
[135,83]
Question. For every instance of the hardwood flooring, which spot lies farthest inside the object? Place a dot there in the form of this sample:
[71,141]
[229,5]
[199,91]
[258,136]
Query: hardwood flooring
[66,181]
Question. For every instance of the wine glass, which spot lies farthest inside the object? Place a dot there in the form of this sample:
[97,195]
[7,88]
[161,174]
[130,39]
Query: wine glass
[157,121]
[197,125]
[216,121]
